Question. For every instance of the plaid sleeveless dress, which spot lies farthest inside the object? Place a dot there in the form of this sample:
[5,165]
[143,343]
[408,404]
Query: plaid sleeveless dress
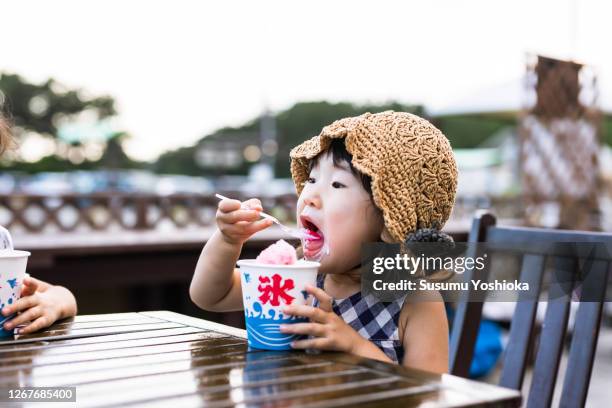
[374,320]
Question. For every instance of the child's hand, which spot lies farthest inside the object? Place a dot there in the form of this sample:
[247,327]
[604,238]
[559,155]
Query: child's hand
[330,331]
[238,221]
[41,309]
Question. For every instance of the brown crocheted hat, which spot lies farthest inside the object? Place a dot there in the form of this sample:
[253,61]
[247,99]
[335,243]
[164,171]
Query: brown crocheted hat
[411,163]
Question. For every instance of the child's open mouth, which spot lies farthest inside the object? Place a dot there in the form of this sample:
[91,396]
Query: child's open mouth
[314,240]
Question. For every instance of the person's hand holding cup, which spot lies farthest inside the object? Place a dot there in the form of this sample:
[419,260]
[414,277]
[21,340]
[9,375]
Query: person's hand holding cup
[12,274]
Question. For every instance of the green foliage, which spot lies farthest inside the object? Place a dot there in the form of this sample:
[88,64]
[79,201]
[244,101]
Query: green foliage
[114,157]
[294,125]
[39,107]
[606,130]
[465,131]
[48,163]
[179,161]
[54,163]
[305,120]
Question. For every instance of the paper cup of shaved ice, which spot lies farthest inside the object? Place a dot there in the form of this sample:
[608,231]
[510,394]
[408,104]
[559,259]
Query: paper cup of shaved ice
[275,279]
[12,272]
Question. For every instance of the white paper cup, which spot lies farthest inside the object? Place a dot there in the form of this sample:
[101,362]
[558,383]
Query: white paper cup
[266,289]
[12,271]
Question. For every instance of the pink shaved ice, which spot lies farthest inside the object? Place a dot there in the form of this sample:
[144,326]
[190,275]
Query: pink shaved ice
[279,253]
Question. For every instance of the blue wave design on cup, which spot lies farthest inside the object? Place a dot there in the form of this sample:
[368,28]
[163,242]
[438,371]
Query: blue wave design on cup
[264,333]
[263,329]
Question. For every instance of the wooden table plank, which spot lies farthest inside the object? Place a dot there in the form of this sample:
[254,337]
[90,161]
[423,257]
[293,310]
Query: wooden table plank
[49,350]
[40,358]
[227,394]
[209,365]
[166,359]
[269,371]
[105,327]
[164,385]
[102,339]
[104,323]
[218,350]
[60,334]
[194,322]
[107,317]
[349,392]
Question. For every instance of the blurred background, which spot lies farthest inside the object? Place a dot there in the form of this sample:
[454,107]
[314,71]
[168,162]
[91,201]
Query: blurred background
[129,116]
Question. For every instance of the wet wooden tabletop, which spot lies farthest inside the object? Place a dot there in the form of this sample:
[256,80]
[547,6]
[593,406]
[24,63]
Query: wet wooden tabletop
[170,360]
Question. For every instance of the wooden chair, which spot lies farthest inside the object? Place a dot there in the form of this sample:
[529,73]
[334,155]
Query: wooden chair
[530,242]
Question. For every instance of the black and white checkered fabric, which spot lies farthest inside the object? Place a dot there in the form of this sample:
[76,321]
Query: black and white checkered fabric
[374,320]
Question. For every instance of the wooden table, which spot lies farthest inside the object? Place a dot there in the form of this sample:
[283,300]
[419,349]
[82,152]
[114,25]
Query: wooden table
[164,359]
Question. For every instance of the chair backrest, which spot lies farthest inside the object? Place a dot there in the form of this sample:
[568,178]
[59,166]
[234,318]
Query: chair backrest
[548,354]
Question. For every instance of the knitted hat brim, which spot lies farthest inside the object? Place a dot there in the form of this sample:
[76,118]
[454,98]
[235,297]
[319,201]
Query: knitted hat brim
[396,195]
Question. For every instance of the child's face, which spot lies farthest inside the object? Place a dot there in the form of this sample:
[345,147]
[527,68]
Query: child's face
[339,211]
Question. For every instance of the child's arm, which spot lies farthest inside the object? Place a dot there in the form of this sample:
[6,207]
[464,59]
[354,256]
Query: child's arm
[41,304]
[216,284]
[425,335]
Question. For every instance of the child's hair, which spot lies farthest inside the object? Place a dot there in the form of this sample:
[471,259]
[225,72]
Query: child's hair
[339,154]
[6,137]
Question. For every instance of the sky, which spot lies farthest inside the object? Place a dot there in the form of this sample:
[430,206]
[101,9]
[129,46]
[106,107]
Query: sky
[181,69]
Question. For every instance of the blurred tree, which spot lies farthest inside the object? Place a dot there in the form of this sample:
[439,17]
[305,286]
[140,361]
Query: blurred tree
[294,125]
[41,107]
[607,129]
[179,161]
[306,119]
[51,163]
[114,157]
[470,130]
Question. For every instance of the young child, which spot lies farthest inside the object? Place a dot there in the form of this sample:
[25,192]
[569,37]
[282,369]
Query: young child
[386,177]
[41,303]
